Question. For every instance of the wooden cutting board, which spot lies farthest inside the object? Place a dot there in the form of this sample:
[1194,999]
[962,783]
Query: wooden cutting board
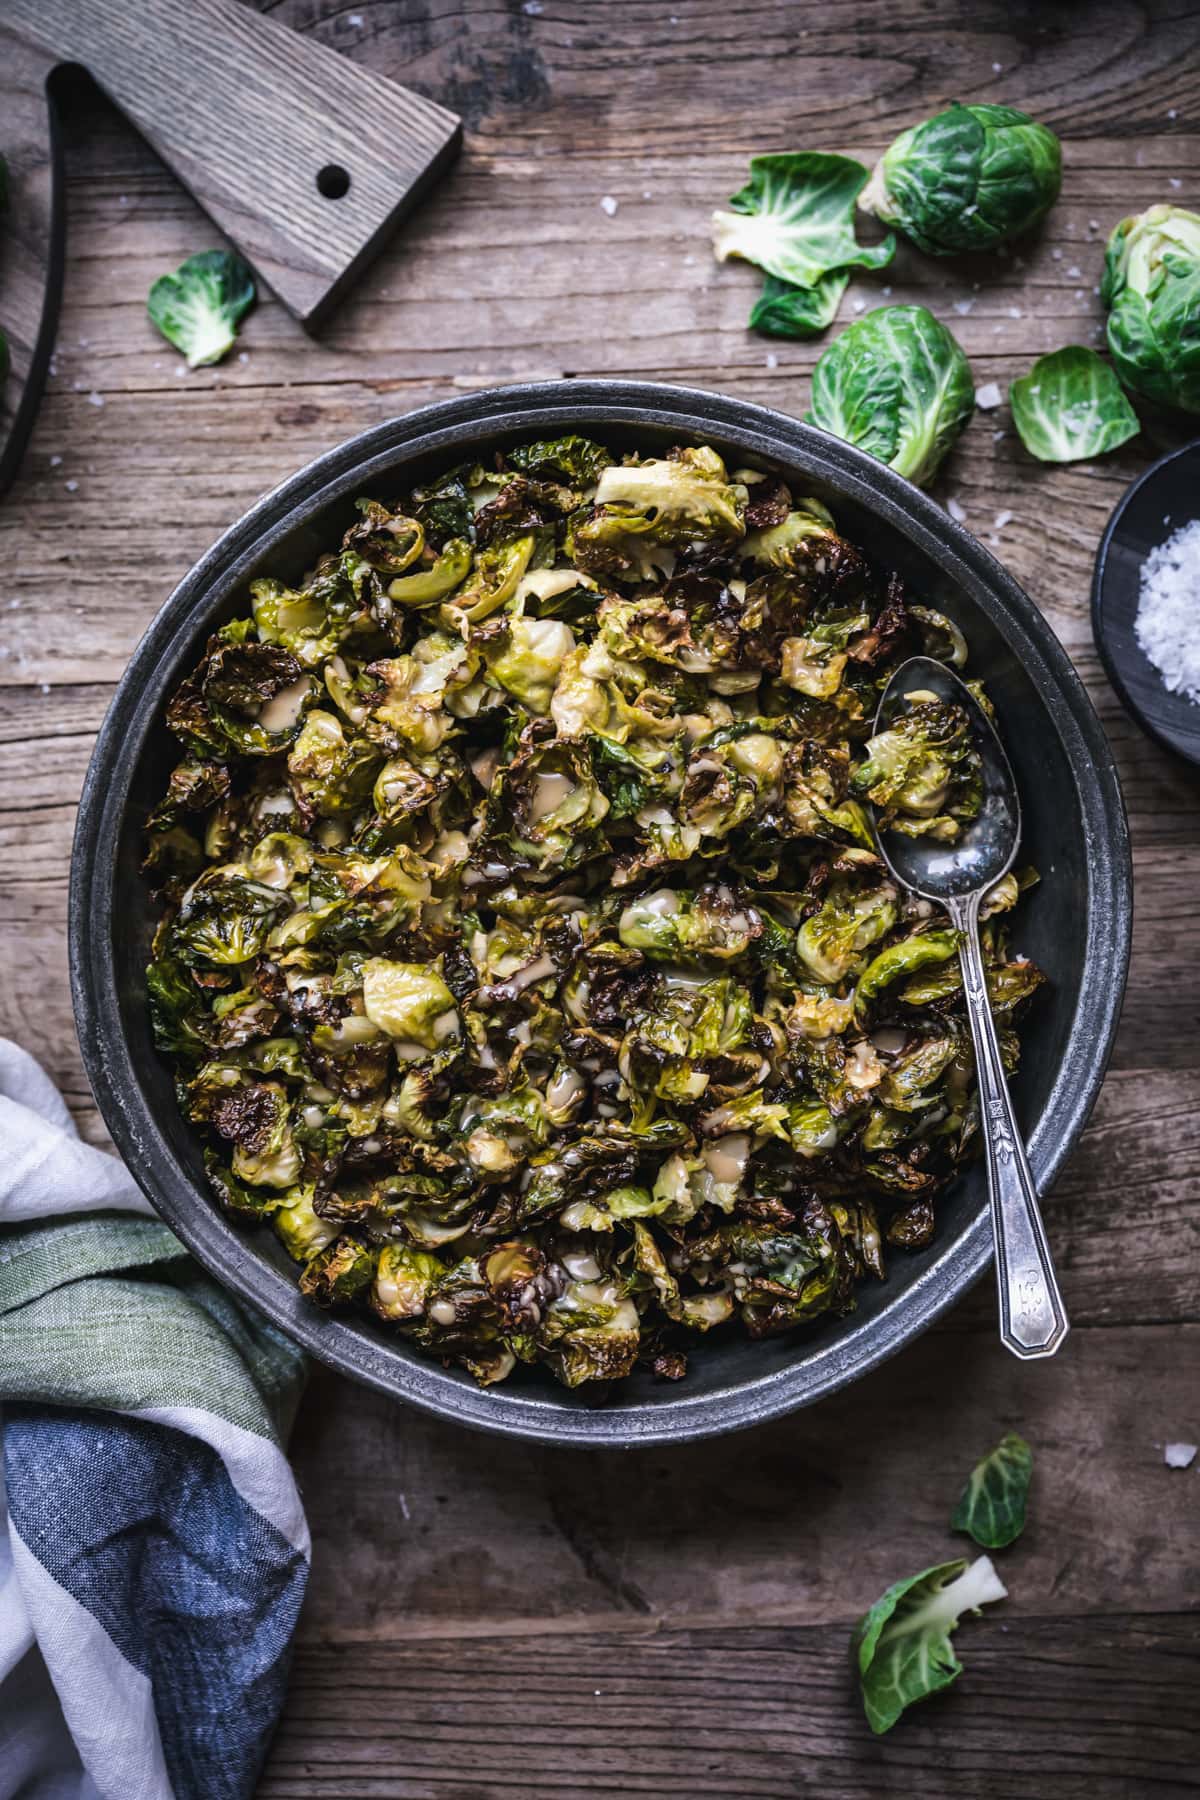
[302,158]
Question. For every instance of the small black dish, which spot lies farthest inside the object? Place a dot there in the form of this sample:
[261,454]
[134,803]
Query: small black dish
[1159,503]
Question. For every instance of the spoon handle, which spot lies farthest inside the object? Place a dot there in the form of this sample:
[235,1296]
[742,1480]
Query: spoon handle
[1033,1320]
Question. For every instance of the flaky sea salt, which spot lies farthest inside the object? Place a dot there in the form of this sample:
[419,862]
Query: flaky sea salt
[609,205]
[957,510]
[1168,615]
[988,396]
[1179,1456]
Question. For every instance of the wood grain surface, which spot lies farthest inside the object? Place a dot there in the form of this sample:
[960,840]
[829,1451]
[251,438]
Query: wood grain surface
[251,117]
[494,1620]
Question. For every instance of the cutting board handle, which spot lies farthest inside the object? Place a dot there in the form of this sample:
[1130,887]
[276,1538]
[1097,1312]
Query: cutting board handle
[301,157]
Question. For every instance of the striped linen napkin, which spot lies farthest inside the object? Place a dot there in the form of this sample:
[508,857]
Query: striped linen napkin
[153,1547]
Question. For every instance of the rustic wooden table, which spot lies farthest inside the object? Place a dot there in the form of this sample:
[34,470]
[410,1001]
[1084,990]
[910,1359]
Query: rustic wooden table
[487,1619]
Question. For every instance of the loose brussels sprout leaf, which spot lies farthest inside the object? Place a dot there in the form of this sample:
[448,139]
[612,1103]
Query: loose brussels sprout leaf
[1151,286]
[413,1005]
[905,958]
[1070,406]
[968,179]
[902,1646]
[684,497]
[301,1231]
[992,1507]
[924,773]
[337,1273]
[787,311]
[574,459]
[795,218]
[525,958]
[675,925]
[529,658]
[199,307]
[449,570]
[896,384]
[831,943]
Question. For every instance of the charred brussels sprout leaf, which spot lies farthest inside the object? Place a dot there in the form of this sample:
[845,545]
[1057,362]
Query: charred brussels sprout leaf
[1070,406]
[902,1646]
[573,459]
[1152,289]
[336,1274]
[199,307]
[896,384]
[525,960]
[795,218]
[992,1507]
[968,179]
[224,919]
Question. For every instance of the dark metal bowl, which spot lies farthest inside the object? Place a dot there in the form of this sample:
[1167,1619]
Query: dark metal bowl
[1076,924]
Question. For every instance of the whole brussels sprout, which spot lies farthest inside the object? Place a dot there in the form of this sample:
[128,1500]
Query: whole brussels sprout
[897,384]
[967,179]
[1152,287]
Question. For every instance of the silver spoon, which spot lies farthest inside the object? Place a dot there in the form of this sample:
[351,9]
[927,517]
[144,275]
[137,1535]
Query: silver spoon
[1033,1320]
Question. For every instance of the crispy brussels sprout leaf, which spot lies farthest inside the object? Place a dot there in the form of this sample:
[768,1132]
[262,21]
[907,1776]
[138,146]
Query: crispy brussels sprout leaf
[902,1645]
[896,384]
[199,307]
[992,1507]
[1070,406]
[573,459]
[795,218]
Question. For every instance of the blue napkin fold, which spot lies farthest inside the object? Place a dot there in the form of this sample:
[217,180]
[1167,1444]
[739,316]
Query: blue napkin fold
[153,1545]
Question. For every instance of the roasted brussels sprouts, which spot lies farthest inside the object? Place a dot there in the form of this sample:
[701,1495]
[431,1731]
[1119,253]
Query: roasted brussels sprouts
[525,961]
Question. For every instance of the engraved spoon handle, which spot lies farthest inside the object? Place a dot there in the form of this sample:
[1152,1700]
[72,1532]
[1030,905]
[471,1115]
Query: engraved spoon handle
[1033,1320]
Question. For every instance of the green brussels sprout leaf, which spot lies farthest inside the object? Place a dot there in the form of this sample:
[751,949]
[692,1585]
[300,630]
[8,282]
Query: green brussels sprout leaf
[902,1645]
[992,1507]
[787,311]
[795,218]
[1070,406]
[897,384]
[199,307]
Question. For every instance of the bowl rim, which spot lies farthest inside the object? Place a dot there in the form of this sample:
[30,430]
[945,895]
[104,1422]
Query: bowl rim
[604,406]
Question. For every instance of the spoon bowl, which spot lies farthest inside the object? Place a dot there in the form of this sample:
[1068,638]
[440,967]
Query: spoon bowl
[988,843]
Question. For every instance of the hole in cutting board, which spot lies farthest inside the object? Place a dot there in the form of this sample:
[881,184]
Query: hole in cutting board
[333,181]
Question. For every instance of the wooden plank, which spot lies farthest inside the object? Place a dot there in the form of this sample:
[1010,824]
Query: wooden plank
[422,1530]
[1054,1709]
[255,120]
